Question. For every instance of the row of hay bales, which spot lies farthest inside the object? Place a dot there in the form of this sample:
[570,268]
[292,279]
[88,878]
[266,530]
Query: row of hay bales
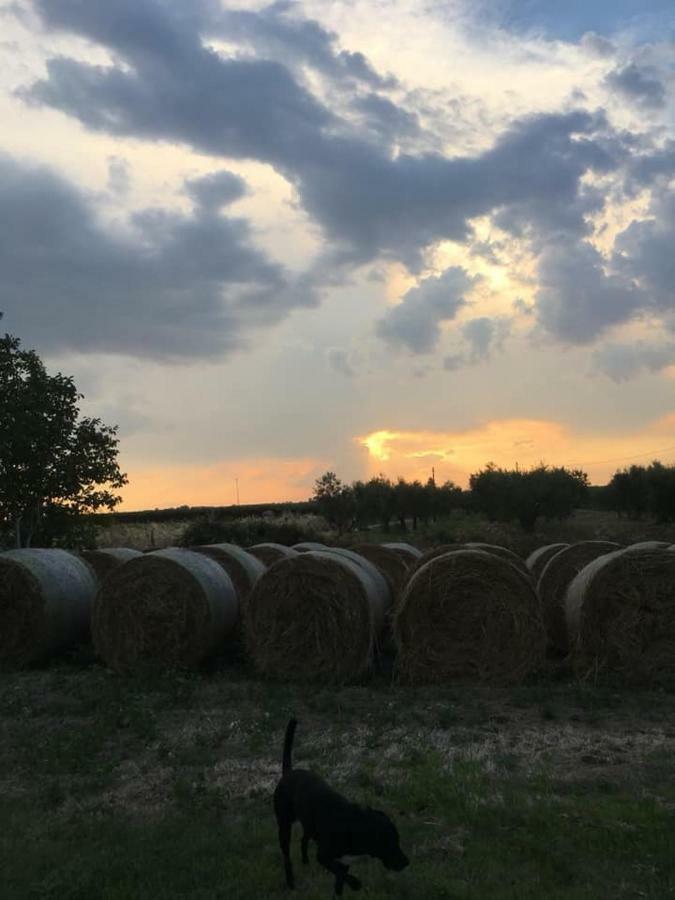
[311,612]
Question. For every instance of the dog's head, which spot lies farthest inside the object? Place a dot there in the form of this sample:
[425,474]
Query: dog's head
[384,841]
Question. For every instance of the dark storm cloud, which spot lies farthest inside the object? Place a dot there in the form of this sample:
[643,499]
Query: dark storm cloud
[277,33]
[415,322]
[173,286]
[578,299]
[367,201]
[216,189]
[645,252]
[641,85]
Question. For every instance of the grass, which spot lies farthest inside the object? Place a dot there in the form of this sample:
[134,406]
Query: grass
[117,788]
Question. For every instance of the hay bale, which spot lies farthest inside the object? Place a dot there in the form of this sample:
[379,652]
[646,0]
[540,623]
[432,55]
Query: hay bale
[468,614]
[537,560]
[649,545]
[554,581]
[393,565]
[308,546]
[380,580]
[46,600]
[268,553]
[407,551]
[435,552]
[106,559]
[243,567]
[498,550]
[170,608]
[314,618]
[621,615]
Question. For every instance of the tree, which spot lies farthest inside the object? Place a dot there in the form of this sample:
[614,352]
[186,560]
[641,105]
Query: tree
[334,500]
[54,465]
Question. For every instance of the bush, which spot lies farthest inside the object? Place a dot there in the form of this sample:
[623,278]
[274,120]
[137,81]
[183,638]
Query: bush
[254,530]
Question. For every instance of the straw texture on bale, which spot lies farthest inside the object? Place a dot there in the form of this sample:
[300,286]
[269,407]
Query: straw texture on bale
[621,615]
[554,581]
[46,601]
[307,546]
[537,560]
[170,608]
[103,561]
[393,565]
[243,567]
[269,553]
[435,552]
[313,618]
[381,582]
[468,614]
[504,552]
[408,552]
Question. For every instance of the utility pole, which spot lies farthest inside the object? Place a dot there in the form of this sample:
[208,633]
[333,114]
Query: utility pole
[236,484]
[433,476]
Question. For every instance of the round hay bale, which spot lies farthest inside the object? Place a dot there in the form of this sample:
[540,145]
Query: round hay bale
[269,553]
[170,608]
[393,565]
[649,545]
[243,567]
[621,615]
[407,551]
[380,580]
[308,546]
[313,618]
[46,600]
[537,560]
[554,581]
[106,559]
[498,550]
[434,552]
[468,614]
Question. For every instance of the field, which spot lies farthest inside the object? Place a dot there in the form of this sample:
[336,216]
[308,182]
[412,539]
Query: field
[160,788]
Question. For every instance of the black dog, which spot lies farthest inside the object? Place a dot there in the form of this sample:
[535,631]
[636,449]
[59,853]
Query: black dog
[342,830]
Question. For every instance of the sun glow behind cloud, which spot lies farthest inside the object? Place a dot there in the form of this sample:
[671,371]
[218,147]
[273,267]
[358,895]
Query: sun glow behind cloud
[509,443]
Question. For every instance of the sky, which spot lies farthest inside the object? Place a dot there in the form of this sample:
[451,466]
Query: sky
[368,236]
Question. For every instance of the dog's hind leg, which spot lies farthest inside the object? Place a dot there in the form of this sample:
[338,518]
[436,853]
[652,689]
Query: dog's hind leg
[285,844]
[303,848]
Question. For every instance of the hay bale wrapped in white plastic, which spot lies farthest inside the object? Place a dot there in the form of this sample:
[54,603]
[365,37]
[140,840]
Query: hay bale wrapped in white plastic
[537,560]
[46,601]
[308,546]
[170,608]
[554,580]
[649,545]
[384,586]
[104,560]
[407,551]
[243,567]
[268,552]
[314,618]
[620,613]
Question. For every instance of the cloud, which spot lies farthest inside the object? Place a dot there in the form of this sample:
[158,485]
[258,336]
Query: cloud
[621,361]
[340,362]
[119,176]
[644,252]
[577,299]
[217,189]
[169,85]
[171,286]
[278,33]
[414,323]
[482,335]
[640,84]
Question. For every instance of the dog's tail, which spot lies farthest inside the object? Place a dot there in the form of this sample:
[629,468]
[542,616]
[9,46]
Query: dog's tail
[287,763]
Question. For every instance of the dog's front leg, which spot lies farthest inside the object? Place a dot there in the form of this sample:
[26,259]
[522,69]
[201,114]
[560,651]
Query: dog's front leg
[340,871]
